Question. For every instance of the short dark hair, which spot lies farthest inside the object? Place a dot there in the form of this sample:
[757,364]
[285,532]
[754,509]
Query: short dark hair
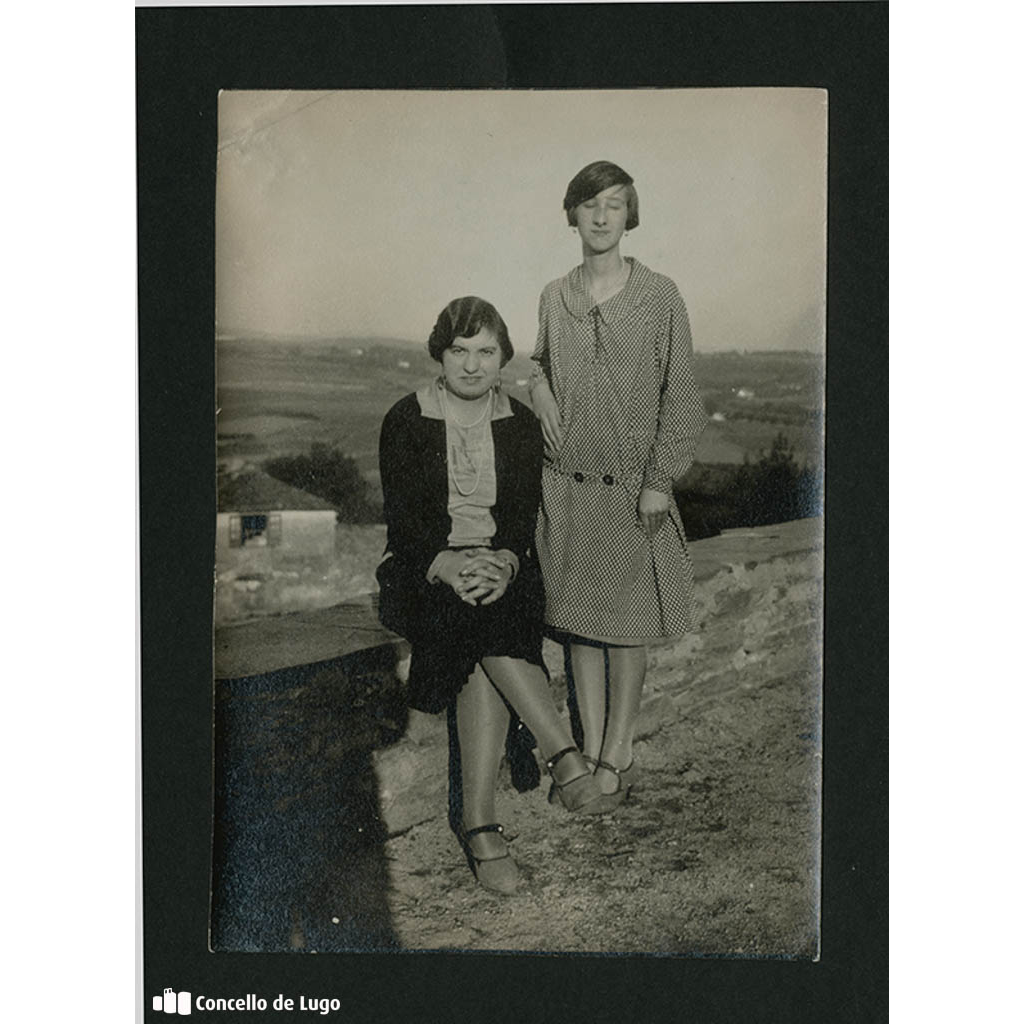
[465,318]
[594,178]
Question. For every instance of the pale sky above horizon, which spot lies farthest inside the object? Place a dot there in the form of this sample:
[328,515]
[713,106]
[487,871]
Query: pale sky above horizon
[362,213]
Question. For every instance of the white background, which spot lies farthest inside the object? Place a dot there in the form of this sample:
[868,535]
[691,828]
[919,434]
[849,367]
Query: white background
[955,731]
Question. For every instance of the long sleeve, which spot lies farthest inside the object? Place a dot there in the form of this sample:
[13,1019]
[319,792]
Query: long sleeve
[681,413]
[519,454]
[541,356]
[414,484]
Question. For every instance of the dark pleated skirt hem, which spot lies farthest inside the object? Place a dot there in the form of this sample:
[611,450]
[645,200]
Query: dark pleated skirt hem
[449,637]
[437,675]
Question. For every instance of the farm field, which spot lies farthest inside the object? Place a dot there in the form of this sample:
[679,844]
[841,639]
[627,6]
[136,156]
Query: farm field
[280,397]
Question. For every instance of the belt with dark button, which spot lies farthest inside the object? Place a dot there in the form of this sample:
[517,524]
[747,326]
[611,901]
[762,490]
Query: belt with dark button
[580,477]
[631,481]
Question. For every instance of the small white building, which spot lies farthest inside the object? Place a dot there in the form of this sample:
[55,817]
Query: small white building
[263,525]
[271,540]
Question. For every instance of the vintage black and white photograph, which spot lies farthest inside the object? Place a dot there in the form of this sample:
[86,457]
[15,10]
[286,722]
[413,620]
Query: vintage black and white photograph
[519,544]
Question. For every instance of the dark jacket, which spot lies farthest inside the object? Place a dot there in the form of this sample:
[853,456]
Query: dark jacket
[414,478]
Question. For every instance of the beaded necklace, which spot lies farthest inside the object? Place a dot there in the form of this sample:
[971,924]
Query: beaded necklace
[454,454]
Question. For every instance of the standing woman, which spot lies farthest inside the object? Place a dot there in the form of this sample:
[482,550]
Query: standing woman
[621,416]
[460,466]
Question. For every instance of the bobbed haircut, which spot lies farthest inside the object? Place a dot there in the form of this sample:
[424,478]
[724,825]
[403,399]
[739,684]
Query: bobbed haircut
[594,178]
[465,318]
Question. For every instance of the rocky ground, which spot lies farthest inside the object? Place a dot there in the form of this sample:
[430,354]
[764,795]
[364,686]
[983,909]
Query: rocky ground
[329,839]
[717,849]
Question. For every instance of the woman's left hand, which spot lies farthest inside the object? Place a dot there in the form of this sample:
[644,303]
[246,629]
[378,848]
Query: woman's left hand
[487,576]
[486,587]
[487,591]
[652,510]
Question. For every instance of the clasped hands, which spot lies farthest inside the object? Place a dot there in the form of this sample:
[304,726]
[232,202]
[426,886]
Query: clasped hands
[651,506]
[477,575]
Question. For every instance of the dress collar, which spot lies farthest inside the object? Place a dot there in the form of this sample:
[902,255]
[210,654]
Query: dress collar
[580,304]
[429,397]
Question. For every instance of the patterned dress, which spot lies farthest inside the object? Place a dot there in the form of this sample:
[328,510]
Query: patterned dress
[622,376]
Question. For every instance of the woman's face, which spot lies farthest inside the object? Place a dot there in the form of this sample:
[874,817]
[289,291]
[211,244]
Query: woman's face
[601,220]
[471,365]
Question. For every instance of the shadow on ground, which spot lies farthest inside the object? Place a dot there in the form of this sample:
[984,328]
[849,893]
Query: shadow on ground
[298,839]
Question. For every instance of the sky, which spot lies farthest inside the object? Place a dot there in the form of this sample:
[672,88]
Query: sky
[362,213]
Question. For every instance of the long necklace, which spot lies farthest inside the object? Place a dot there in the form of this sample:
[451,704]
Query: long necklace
[449,413]
[454,455]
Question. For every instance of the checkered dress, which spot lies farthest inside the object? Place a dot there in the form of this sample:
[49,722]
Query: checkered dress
[631,414]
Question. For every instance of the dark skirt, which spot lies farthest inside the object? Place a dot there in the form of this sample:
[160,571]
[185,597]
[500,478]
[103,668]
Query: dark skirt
[449,637]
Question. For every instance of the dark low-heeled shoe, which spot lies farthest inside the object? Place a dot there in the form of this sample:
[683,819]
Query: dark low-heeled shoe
[628,777]
[580,793]
[625,779]
[498,874]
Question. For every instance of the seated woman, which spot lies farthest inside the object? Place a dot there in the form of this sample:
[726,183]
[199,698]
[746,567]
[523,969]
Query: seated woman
[460,466]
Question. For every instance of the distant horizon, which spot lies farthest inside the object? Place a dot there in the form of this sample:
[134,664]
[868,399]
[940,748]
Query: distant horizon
[299,339]
[363,212]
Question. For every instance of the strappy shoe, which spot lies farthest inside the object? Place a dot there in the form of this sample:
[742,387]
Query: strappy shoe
[581,793]
[498,874]
[625,779]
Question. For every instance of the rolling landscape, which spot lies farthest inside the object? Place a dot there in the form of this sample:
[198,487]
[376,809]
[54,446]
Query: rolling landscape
[333,833]
[277,397]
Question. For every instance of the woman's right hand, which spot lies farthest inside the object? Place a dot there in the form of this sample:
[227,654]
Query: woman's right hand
[546,409]
[473,573]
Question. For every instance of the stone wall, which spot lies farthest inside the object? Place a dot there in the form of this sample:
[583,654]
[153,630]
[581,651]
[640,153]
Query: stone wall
[759,616]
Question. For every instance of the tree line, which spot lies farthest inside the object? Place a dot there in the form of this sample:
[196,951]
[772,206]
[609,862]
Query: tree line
[329,474]
[712,497]
[774,489]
